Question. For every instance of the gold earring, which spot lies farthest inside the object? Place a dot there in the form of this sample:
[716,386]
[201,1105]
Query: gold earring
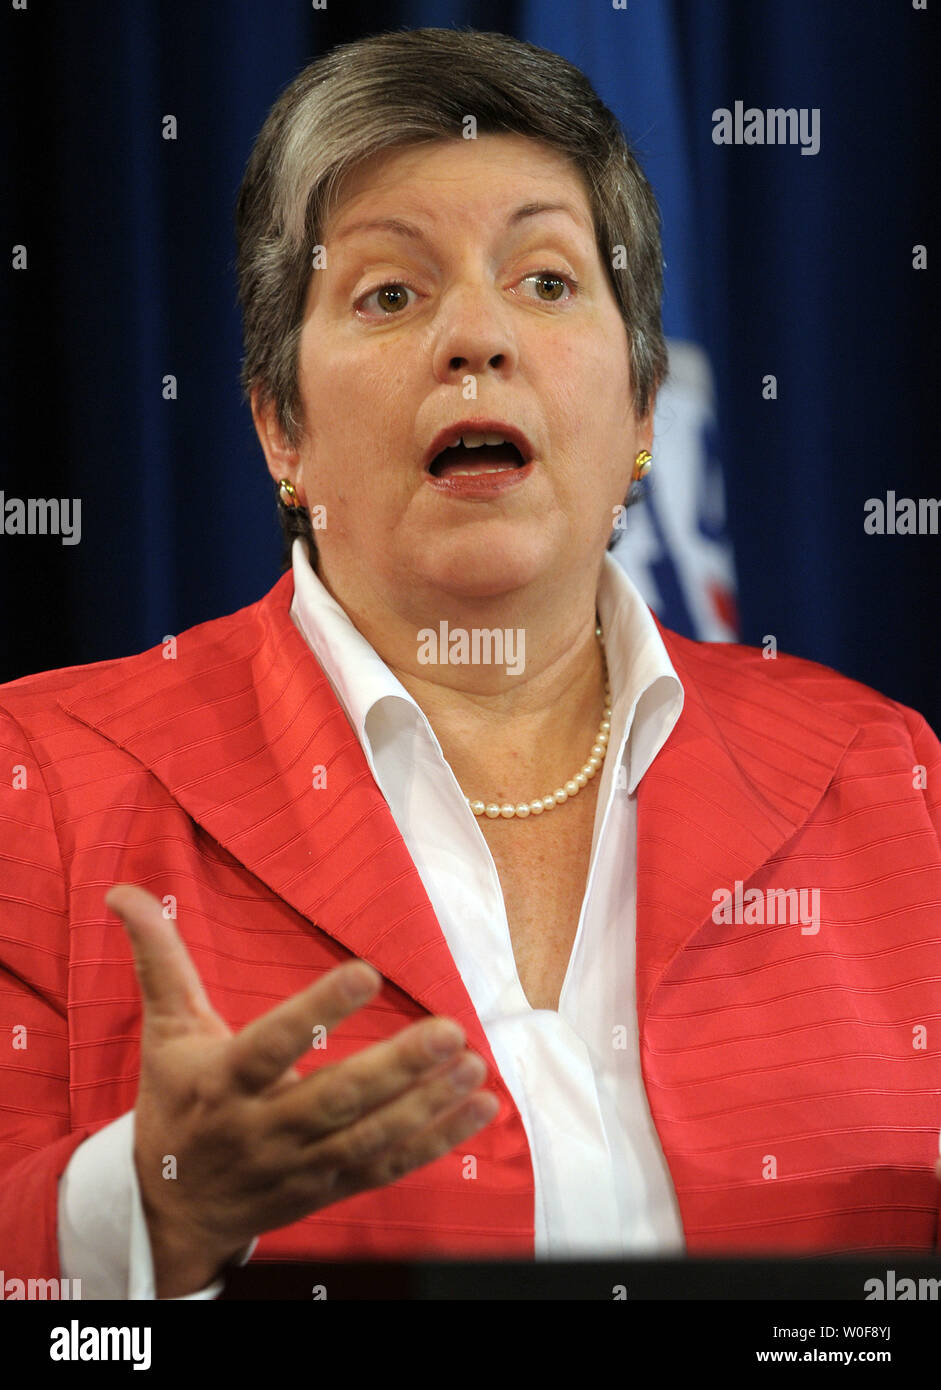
[642,465]
[287,495]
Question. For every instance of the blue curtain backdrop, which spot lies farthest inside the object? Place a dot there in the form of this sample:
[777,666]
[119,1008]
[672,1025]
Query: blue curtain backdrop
[800,267]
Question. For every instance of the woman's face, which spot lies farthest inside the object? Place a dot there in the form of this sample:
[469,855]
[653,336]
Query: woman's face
[461,281]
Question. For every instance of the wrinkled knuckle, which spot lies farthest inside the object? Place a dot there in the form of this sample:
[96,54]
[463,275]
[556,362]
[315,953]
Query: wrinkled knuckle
[364,1144]
[272,1052]
[340,1103]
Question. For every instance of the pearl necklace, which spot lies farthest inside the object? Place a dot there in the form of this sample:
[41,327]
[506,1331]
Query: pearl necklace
[574,785]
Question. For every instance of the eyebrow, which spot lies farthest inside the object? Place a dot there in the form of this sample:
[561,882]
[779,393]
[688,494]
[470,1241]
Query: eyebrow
[408,229]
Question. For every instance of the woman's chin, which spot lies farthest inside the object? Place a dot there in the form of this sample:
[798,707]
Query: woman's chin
[460,567]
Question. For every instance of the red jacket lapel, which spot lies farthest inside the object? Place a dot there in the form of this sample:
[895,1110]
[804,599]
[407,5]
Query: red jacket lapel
[237,727]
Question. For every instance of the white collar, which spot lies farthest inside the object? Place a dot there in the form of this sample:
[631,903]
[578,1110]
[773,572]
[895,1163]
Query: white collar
[647,695]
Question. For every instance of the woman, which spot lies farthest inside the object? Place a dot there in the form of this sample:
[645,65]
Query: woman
[679,902]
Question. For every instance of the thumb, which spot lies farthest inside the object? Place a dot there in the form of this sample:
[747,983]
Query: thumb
[169,982]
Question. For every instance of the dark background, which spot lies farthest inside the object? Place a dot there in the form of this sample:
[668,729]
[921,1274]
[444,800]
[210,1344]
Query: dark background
[780,263]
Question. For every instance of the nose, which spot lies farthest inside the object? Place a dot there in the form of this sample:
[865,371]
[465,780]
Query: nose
[473,335]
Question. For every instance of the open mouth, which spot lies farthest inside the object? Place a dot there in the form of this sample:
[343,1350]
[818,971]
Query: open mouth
[471,460]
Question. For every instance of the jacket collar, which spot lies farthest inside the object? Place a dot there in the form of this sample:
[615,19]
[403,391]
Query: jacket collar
[240,725]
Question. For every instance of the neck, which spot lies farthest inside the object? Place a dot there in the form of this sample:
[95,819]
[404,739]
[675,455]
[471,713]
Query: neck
[512,730]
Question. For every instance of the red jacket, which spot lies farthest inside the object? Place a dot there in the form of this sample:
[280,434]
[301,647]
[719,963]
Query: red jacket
[794,1078]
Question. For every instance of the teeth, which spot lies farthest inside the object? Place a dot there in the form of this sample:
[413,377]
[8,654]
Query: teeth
[474,441]
[478,472]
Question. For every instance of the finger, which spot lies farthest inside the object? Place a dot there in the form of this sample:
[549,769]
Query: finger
[170,984]
[266,1047]
[384,1130]
[336,1096]
[430,1144]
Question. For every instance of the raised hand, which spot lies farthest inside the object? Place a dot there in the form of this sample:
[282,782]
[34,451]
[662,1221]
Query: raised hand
[257,1146]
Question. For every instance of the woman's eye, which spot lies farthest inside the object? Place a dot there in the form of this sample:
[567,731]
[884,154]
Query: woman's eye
[390,299]
[554,284]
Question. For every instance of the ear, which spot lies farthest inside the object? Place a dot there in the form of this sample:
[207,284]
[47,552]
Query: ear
[282,459]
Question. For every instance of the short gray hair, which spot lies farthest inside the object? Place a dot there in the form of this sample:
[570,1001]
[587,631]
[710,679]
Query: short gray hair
[406,88]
